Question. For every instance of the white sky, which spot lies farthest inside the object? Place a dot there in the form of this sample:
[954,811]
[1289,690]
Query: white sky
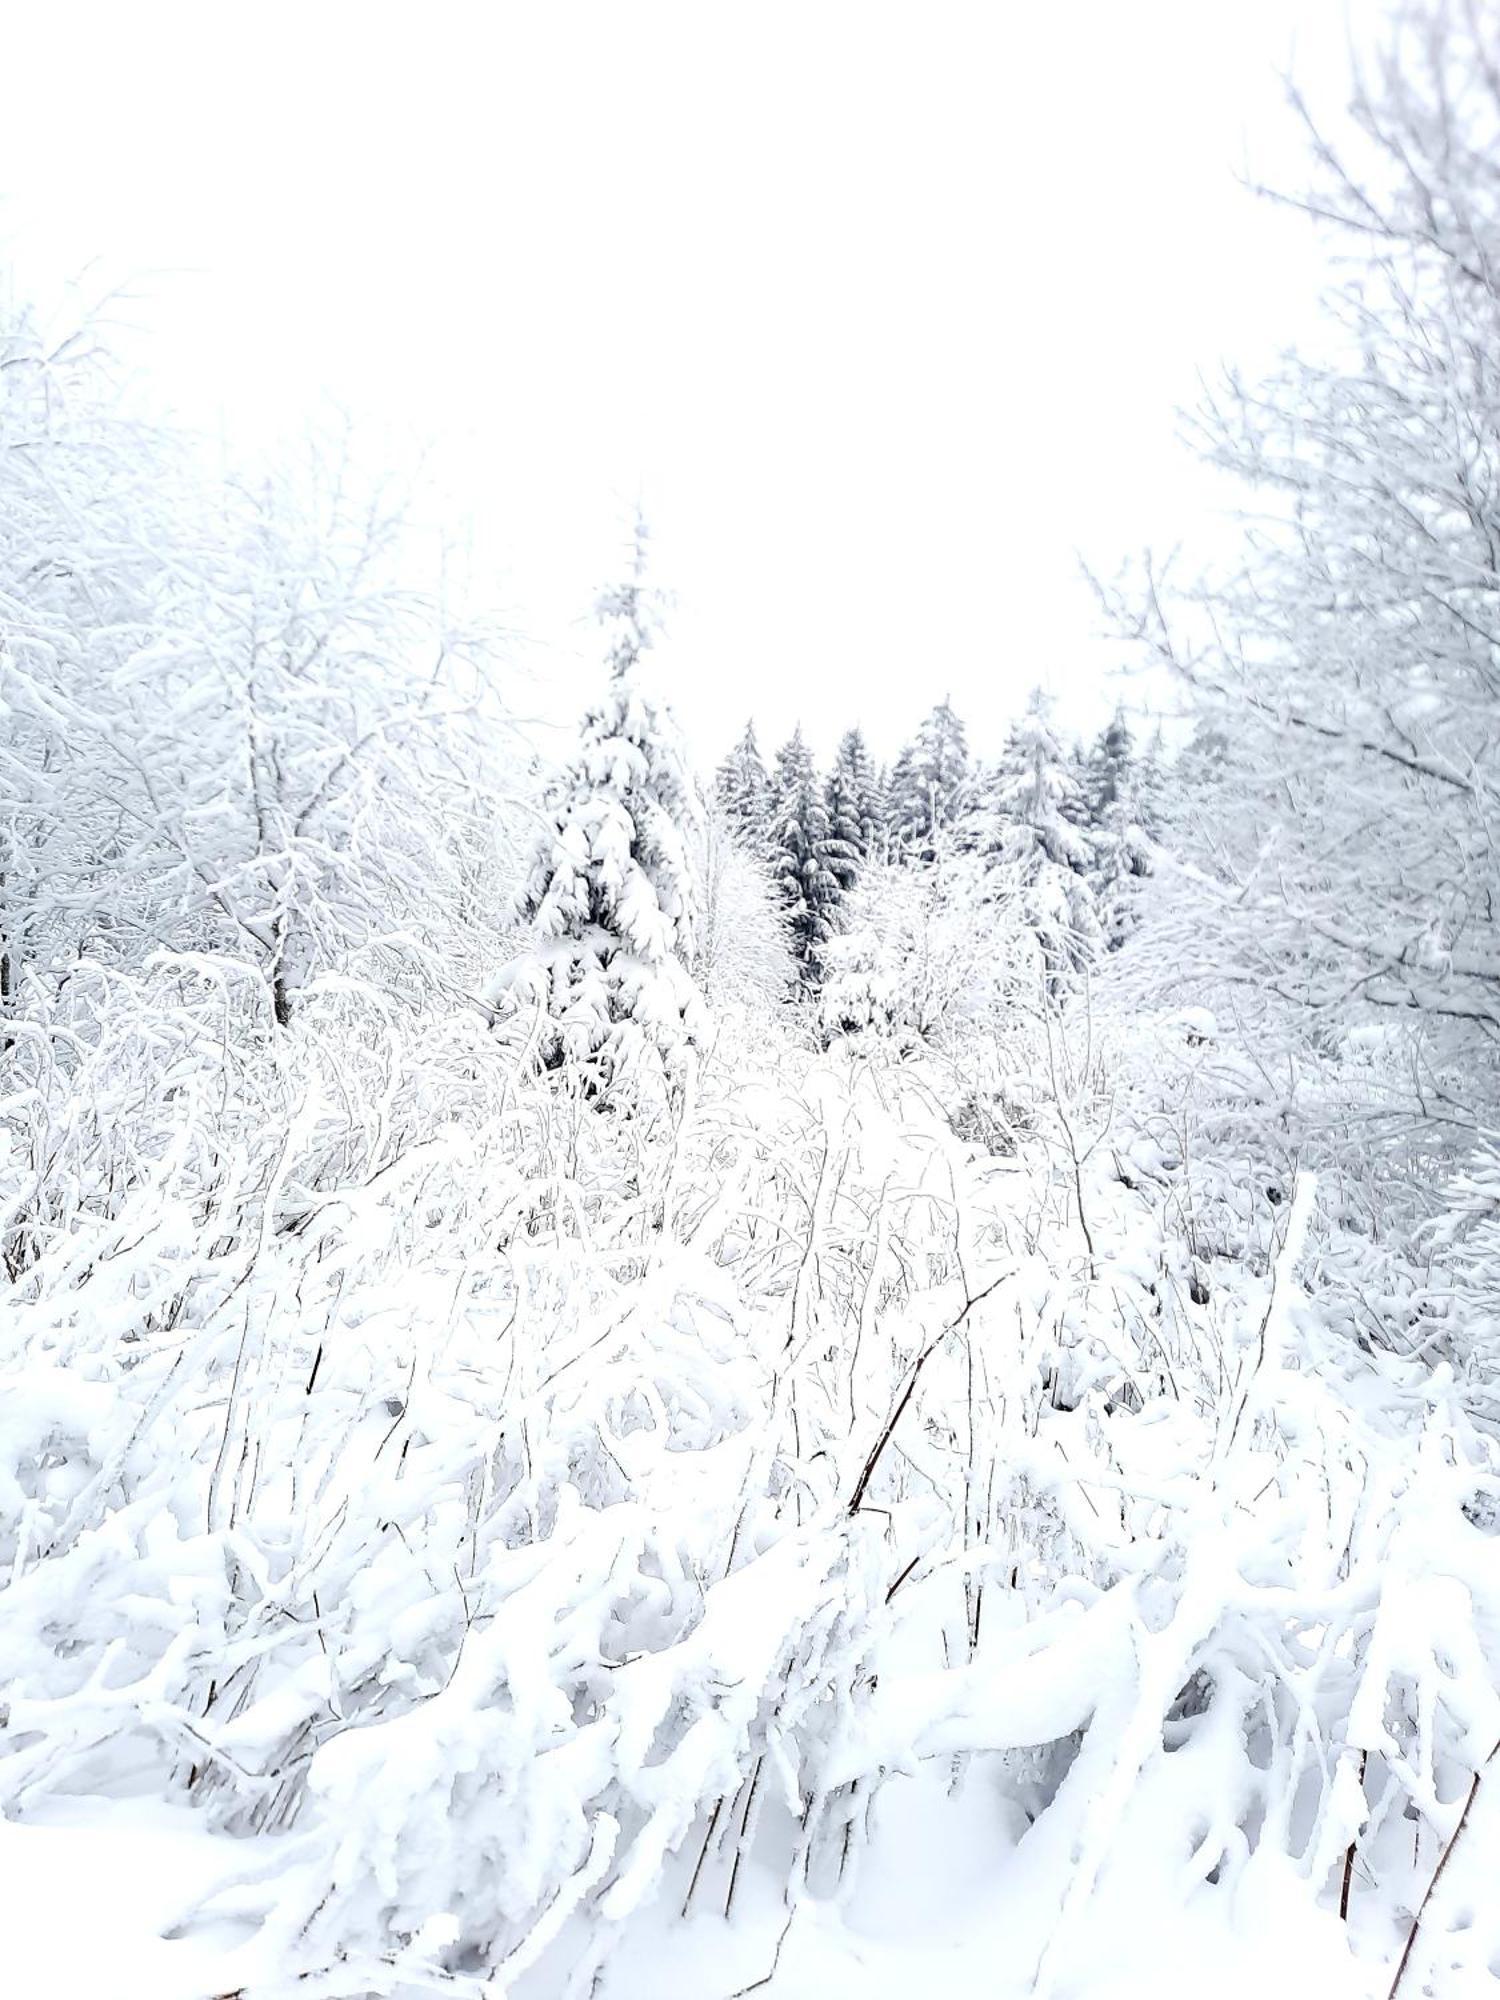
[883,310]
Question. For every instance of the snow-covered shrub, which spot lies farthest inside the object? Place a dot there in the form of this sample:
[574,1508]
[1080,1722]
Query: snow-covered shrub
[860,993]
[503,1517]
[932,951]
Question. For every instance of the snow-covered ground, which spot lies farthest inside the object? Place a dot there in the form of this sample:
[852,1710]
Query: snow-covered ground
[512,1550]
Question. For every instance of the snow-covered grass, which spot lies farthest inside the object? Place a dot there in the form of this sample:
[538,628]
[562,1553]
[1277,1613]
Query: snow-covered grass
[459,1539]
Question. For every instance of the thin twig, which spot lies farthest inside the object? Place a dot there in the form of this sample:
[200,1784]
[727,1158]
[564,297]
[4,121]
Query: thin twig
[1437,1873]
[911,1382]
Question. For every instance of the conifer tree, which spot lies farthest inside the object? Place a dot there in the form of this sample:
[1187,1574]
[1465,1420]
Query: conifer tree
[863,791]
[1150,773]
[928,784]
[1077,801]
[1025,822]
[1119,844]
[808,862]
[856,803]
[612,893]
[846,827]
[880,844]
[743,789]
[1204,757]
[1110,764]
[906,814]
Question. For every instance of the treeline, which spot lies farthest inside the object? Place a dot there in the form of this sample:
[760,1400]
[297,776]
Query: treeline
[1071,827]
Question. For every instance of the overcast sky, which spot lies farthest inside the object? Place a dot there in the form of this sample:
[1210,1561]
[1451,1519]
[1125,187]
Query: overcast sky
[883,310]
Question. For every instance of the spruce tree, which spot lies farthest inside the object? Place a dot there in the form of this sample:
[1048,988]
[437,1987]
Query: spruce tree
[1110,764]
[1025,822]
[1119,844]
[846,832]
[856,801]
[1203,759]
[808,864]
[1077,801]
[1150,773]
[612,894]
[928,784]
[906,814]
[743,789]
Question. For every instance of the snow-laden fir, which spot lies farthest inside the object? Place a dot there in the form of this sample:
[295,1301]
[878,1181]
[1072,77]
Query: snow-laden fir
[862,1380]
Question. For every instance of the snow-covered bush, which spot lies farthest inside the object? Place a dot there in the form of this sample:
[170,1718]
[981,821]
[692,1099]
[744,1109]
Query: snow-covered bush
[505,1519]
[930,951]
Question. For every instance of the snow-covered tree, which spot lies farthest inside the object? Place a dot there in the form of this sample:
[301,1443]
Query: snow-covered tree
[325,730]
[1349,660]
[1204,759]
[927,785]
[856,798]
[1117,838]
[613,895]
[228,726]
[742,788]
[1023,818]
[1111,763]
[743,949]
[846,798]
[809,865]
[1077,803]
[81,547]
[1150,778]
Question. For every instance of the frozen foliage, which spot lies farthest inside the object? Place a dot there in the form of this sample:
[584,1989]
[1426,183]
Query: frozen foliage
[76,583]
[929,954]
[1328,881]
